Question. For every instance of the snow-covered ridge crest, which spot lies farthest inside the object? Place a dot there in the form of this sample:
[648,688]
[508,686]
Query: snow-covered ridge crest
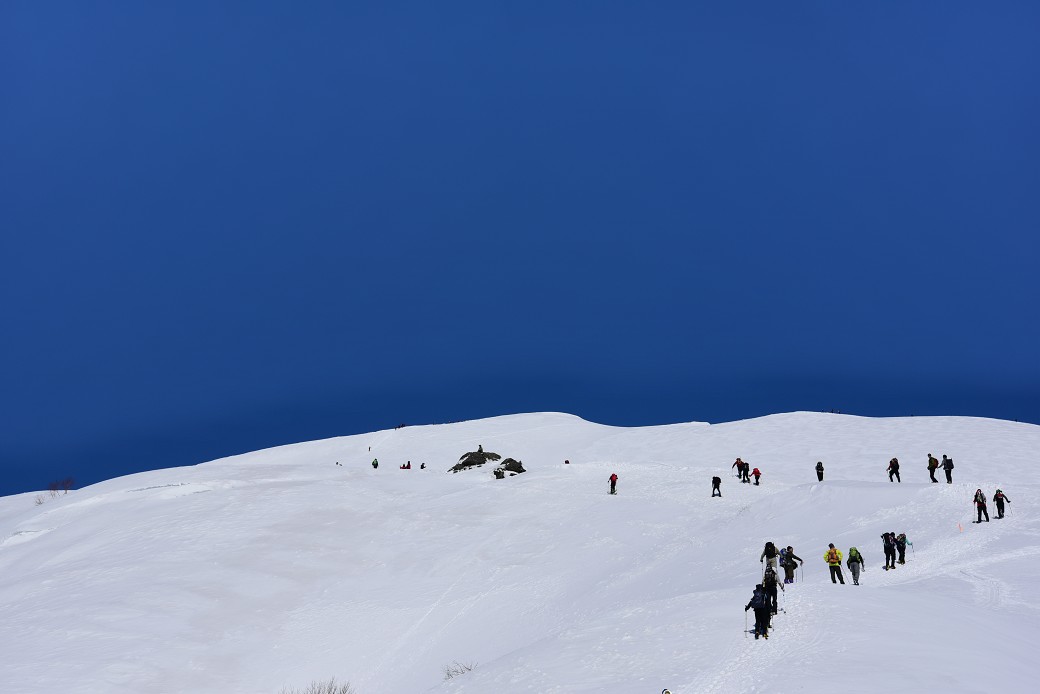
[280,567]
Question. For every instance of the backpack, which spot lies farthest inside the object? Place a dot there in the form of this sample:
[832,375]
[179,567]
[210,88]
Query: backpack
[770,550]
[950,461]
[769,577]
[854,555]
[716,481]
[832,556]
[759,601]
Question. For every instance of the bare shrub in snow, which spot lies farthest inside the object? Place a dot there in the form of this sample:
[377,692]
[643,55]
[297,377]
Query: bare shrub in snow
[65,484]
[455,669]
[330,686]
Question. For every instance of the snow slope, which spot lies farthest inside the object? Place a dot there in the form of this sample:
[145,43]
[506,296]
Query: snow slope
[279,567]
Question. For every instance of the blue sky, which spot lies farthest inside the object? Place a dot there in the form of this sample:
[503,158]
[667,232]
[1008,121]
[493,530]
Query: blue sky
[226,226]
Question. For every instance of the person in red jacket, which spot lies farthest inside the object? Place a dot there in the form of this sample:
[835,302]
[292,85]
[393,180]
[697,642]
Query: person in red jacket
[757,473]
[613,483]
[980,504]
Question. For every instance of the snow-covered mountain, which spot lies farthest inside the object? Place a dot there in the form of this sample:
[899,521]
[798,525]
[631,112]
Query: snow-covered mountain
[281,567]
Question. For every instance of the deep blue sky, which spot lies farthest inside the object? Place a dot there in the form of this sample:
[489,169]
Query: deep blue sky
[226,226]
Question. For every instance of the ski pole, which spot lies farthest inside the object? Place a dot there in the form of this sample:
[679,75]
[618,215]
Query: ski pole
[745,624]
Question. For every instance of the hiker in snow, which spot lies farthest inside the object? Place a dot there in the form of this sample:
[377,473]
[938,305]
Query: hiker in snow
[980,505]
[933,465]
[747,472]
[760,604]
[739,464]
[613,483]
[888,541]
[901,547]
[769,555]
[855,564]
[833,558]
[757,473]
[999,498]
[716,483]
[947,466]
[819,471]
[770,584]
[789,564]
[422,466]
[893,469]
[375,463]
[566,462]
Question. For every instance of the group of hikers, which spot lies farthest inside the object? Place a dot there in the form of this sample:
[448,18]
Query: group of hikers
[744,469]
[404,466]
[999,498]
[744,473]
[764,598]
[933,465]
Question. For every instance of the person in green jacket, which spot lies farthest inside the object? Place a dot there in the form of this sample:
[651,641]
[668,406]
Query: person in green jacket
[375,463]
[833,558]
[855,563]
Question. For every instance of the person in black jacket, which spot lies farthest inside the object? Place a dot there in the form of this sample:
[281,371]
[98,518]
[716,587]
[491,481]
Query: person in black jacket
[893,469]
[716,482]
[999,498]
[789,564]
[760,604]
[901,547]
[889,541]
[770,584]
[819,471]
[947,466]
[769,555]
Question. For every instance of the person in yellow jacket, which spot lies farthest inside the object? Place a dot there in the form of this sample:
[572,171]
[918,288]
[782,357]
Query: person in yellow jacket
[833,558]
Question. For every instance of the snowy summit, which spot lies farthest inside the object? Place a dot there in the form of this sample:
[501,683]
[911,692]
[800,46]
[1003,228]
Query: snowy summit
[274,569]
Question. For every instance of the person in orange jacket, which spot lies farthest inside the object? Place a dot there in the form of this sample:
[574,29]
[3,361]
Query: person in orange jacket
[833,558]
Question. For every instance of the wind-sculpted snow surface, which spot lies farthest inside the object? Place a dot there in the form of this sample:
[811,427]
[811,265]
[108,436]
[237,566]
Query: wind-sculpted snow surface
[280,567]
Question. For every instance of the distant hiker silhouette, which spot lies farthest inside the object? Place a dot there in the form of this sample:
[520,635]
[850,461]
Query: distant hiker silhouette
[893,469]
[716,482]
[819,471]
[613,483]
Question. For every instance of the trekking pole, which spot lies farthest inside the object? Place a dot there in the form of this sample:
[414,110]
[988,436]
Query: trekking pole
[745,624]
